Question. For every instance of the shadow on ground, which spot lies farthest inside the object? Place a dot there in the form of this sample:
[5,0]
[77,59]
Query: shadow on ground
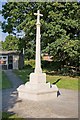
[9,96]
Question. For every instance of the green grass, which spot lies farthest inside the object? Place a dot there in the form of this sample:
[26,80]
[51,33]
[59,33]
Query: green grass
[4,81]
[7,116]
[0,79]
[66,82]
[23,74]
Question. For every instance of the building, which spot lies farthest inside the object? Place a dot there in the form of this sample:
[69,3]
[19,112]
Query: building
[11,60]
[46,57]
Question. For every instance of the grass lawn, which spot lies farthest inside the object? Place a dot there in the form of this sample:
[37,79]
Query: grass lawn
[4,81]
[66,82]
[23,74]
[7,116]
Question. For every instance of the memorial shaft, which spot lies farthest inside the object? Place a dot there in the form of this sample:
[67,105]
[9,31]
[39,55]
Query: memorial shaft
[38,47]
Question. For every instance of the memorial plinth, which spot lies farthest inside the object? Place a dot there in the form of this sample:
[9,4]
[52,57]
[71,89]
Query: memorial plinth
[37,88]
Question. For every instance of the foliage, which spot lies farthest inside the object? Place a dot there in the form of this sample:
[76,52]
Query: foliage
[30,63]
[28,47]
[0,45]
[59,18]
[57,68]
[10,43]
[66,51]
[60,28]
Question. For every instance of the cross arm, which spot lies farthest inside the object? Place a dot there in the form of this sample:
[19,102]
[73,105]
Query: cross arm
[37,14]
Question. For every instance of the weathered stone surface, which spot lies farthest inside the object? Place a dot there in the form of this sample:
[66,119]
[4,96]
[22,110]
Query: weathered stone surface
[37,89]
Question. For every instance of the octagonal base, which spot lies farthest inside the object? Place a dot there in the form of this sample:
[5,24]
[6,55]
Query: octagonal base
[37,89]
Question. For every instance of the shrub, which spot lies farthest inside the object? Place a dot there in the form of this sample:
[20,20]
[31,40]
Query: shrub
[30,63]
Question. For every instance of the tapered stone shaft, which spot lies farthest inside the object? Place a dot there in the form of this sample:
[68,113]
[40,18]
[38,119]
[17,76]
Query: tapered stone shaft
[38,47]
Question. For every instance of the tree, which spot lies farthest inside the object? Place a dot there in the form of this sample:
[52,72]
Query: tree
[65,51]
[58,18]
[28,47]
[60,24]
[10,43]
[0,45]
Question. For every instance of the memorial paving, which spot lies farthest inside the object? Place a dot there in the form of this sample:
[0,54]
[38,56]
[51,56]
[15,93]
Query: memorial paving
[64,106]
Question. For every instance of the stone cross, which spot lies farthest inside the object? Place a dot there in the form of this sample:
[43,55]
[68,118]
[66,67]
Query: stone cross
[38,49]
[38,16]
[37,89]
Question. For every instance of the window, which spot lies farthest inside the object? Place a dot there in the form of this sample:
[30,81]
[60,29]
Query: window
[4,57]
[3,60]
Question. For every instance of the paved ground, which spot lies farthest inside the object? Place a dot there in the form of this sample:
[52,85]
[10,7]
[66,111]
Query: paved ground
[65,106]
[9,96]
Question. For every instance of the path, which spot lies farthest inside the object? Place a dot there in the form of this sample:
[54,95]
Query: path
[9,96]
[65,106]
